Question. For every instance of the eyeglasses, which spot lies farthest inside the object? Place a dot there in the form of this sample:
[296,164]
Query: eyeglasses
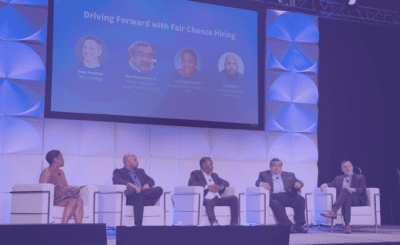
[143,55]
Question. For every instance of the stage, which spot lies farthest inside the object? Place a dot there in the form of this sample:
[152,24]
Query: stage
[360,235]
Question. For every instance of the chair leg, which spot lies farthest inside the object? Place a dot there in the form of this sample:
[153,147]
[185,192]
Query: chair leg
[332,225]
[319,227]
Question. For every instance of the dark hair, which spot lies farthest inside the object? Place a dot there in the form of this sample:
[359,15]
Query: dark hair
[345,160]
[51,155]
[98,42]
[275,160]
[202,160]
[191,52]
[132,50]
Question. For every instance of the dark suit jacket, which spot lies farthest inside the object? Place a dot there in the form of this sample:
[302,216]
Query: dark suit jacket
[197,179]
[357,182]
[121,176]
[288,179]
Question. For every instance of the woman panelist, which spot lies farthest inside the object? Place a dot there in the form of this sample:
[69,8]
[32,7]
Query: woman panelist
[64,195]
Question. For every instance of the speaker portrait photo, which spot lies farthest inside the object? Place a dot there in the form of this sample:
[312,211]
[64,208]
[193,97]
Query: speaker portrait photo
[141,57]
[230,68]
[91,51]
[187,62]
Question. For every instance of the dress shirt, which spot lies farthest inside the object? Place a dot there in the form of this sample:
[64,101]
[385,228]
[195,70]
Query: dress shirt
[347,180]
[278,183]
[136,180]
[210,181]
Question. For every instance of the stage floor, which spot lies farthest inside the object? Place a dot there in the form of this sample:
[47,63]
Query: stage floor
[360,235]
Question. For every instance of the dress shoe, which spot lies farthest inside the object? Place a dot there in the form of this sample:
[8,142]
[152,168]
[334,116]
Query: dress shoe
[347,229]
[234,225]
[215,223]
[300,229]
[329,214]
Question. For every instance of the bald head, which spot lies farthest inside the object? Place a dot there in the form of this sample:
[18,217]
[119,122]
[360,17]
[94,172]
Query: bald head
[131,162]
[231,64]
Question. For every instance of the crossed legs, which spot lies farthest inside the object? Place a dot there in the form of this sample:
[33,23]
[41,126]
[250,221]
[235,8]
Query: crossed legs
[345,201]
[72,207]
[146,197]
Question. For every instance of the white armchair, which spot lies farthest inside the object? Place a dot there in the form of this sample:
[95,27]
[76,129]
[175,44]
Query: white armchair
[113,210]
[259,212]
[189,209]
[369,215]
[33,204]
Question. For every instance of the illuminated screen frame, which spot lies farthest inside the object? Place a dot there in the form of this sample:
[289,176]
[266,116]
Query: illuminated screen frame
[261,14]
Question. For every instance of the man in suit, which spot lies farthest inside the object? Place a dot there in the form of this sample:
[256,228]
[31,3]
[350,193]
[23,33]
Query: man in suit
[214,186]
[350,191]
[283,190]
[140,187]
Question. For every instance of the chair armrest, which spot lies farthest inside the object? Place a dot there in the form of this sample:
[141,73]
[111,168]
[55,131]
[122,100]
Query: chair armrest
[305,190]
[325,191]
[323,200]
[256,190]
[32,198]
[257,198]
[188,190]
[33,187]
[112,188]
[87,195]
[232,191]
[372,192]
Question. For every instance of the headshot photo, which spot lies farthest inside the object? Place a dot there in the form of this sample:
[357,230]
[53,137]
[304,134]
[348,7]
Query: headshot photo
[91,51]
[187,62]
[230,67]
[141,57]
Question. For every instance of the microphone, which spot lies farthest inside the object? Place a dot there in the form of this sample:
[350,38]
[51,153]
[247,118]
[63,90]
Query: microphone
[277,177]
[59,174]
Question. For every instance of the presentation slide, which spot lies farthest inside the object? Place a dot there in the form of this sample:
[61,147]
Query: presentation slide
[170,59]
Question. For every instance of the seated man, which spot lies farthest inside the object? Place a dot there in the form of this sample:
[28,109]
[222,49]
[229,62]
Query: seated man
[64,195]
[350,189]
[140,191]
[214,186]
[283,190]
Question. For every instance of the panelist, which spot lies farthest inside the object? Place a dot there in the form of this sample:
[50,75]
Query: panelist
[140,187]
[350,189]
[92,50]
[230,73]
[189,63]
[214,186]
[64,195]
[141,57]
[284,192]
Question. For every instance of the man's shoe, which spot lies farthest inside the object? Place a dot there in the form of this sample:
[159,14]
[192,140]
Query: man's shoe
[300,229]
[215,223]
[234,225]
[329,214]
[347,229]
